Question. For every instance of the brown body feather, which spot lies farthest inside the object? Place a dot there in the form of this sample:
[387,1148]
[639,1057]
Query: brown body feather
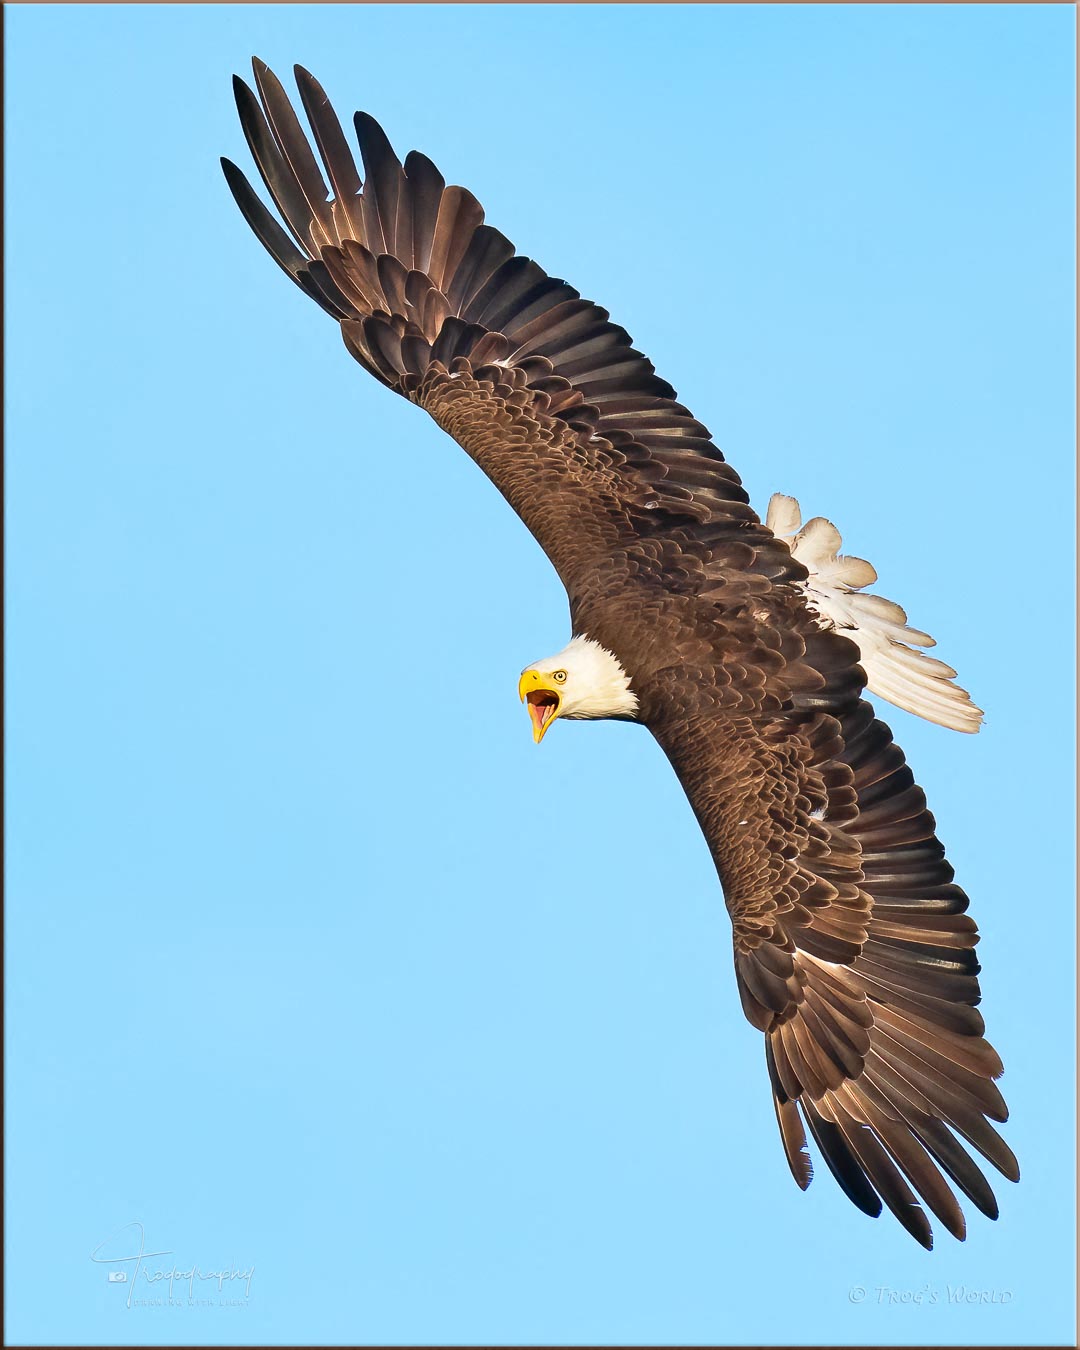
[853,953]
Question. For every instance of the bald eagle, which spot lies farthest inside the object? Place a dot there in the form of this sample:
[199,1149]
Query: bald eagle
[744,646]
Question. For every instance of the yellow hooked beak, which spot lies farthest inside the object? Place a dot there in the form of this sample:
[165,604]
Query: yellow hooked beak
[543,701]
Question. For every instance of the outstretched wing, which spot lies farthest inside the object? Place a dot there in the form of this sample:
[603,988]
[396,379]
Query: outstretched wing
[853,951]
[572,424]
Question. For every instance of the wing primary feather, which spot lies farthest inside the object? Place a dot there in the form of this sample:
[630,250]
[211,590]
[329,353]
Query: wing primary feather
[384,188]
[281,248]
[337,157]
[426,185]
[280,182]
[295,149]
[935,1137]
[876,1163]
[842,1163]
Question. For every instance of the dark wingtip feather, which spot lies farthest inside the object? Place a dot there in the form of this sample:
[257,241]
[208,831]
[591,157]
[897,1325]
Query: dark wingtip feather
[244,95]
[311,277]
[944,1148]
[375,148]
[266,228]
[849,1175]
[310,88]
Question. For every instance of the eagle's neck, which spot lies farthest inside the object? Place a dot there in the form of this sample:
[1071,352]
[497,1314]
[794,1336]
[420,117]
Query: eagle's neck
[600,685]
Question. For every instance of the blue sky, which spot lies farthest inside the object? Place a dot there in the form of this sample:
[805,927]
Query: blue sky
[308,971]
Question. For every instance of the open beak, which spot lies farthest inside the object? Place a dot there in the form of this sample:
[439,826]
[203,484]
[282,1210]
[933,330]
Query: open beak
[542,701]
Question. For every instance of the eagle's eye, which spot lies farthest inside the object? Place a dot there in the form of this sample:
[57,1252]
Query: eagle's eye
[559,676]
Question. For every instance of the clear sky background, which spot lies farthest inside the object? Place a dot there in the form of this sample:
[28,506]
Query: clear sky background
[314,968]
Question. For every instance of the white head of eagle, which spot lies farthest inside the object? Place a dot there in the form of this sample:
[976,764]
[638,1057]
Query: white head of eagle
[583,680]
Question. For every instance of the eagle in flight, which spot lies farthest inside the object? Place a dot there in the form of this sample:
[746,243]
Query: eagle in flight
[745,647]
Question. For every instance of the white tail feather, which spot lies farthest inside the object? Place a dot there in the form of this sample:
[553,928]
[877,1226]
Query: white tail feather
[887,646]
